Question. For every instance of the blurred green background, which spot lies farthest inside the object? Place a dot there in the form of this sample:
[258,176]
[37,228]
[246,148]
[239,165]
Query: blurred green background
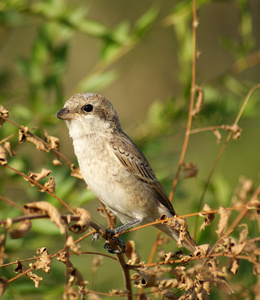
[138,55]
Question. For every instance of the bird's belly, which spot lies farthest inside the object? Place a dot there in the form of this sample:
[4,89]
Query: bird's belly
[112,186]
[116,187]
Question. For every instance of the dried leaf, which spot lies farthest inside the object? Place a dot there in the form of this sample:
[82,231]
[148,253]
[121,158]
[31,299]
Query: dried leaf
[199,102]
[92,296]
[38,176]
[8,223]
[3,112]
[131,253]
[168,256]
[72,245]
[208,218]
[76,172]
[235,266]
[54,143]
[212,265]
[190,170]
[228,244]
[201,250]
[244,188]
[238,248]
[35,278]
[22,229]
[83,222]
[183,280]
[179,225]
[207,287]
[49,186]
[26,136]
[243,234]
[256,270]
[77,278]
[147,278]
[182,232]
[43,261]
[247,185]
[178,254]
[223,220]
[3,155]
[115,292]
[254,204]
[2,247]
[217,134]
[45,207]
[166,283]
[3,284]
[236,131]
[70,291]
[20,268]
[63,257]
[56,161]
[9,149]
[198,284]
[96,262]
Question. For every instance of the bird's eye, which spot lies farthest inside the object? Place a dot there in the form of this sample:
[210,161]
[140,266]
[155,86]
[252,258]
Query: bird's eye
[88,108]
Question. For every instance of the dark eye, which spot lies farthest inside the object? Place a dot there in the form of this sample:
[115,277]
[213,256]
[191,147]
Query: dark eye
[88,108]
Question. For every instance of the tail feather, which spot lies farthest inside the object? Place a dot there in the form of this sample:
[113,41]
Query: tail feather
[191,245]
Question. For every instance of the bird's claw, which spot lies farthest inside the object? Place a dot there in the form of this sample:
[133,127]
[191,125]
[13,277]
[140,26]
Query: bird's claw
[95,237]
[114,244]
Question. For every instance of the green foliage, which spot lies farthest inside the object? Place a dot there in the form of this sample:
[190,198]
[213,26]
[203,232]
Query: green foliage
[35,87]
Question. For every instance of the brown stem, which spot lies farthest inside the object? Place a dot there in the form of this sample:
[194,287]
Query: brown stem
[42,187]
[192,94]
[221,152]
[236,221]
[126,273]
[39,139]
[188,127]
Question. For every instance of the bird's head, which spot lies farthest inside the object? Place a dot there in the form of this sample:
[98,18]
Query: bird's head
[89,113]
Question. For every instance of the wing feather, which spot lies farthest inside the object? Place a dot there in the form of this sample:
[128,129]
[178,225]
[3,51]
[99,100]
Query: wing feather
[135,162]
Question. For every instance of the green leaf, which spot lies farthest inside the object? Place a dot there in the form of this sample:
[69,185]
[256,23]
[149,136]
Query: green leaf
[145,21]
[92,28]
[114,41]
[97,82]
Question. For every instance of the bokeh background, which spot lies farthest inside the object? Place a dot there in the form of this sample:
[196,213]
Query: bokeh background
[138,54]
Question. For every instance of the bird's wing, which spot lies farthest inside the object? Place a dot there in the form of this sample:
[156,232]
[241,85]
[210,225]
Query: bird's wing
[135,162]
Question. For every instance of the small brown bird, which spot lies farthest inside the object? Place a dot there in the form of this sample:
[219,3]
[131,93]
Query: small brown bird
[115,169]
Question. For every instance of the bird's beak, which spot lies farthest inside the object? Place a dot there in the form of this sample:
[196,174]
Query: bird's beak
[65,114]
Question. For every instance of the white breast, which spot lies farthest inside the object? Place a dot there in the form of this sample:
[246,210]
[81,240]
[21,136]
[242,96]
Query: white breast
[115,186]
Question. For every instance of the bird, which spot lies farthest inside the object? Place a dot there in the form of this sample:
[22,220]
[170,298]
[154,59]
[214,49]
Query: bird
[116,170]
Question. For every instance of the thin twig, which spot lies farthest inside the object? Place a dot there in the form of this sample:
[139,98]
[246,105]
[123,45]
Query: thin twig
[236,221]
[42,187]
[3,198]
[221,152]
[188,127]
[192,94]
[39,139]
[126,273]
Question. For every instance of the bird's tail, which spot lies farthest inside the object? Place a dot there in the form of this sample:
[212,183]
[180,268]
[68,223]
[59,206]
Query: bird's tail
[183,239]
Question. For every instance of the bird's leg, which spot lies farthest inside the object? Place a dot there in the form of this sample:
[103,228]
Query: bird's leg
[122,228]
[116,240]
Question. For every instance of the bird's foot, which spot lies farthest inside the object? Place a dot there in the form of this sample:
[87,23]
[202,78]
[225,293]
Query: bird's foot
[95,237]
[114,244]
